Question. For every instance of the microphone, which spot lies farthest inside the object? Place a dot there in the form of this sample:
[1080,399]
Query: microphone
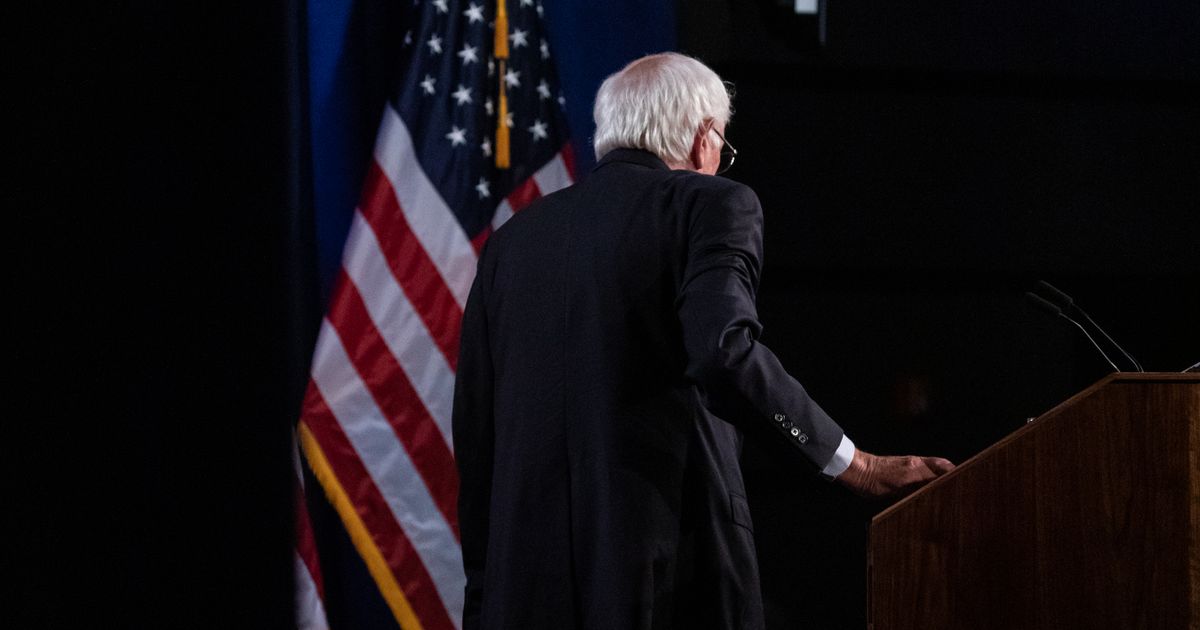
[1046,305]
[1063,300]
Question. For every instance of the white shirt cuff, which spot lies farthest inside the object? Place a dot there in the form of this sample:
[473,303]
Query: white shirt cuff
[841,459]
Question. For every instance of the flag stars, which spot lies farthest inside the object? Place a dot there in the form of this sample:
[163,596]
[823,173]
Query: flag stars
[562,100]
[543,90]
[474,13]
[489,106]
[508,120]
[427,84]
[484,188]
[457,136]
[541,11]
[462,94]
[435,44]
[491,66]
[512,78]
[486,147]
[441,6]
[408,38]
[538,130]
[468,54]
[545,48]
[519,38]
[526,3]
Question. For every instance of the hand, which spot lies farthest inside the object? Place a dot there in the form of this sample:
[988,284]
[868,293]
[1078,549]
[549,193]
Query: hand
[887,477]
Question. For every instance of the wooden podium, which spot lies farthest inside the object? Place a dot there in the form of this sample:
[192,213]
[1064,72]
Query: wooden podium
[1087,517]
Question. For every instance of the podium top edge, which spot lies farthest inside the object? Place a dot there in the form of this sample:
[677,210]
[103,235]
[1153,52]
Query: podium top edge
[1153,376]
[1115,377]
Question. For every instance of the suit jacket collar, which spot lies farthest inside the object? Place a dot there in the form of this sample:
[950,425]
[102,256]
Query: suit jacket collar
[632,156]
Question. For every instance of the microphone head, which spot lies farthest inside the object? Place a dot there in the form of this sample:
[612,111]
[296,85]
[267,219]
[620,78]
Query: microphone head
[1043,303]
[1060,298]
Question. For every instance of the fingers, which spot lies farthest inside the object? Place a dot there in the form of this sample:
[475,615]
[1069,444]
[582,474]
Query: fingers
[902,475]
[938,465]
[922,470]
[912,472]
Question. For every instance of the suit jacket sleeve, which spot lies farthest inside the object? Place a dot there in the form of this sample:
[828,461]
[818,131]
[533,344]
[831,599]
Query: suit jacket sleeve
[740,376]
[473,442]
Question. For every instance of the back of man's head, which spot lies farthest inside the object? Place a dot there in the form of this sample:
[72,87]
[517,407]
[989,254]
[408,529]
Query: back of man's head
[657,103]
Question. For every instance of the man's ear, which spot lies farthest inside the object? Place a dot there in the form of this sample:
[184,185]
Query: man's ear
[695,160]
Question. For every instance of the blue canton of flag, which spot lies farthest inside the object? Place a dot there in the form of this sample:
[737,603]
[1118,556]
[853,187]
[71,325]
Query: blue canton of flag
[449,98]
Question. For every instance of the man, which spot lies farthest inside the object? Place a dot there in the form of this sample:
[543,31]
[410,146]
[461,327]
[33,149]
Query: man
[609,355]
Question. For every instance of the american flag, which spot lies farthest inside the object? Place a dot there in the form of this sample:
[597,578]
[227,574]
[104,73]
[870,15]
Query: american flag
[310,589]
[473,133]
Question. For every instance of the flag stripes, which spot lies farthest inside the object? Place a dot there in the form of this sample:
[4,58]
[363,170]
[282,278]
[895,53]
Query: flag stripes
[429,374]
[414,270]
[552,176]
[392,395]
[423,207]
[383,516]
[556,174]
[310,609]
[376,419]
[522,195]
[383,571]
[310,587]
[306,549]
[384,466]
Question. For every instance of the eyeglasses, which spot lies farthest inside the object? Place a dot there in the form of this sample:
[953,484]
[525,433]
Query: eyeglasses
[728,153]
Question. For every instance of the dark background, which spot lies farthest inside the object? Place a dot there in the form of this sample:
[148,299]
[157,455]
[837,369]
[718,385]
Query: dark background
[918,172]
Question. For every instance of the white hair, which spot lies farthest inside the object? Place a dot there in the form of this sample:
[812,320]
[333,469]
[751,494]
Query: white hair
[657,103]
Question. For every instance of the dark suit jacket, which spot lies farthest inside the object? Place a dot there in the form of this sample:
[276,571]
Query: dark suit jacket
[610,328]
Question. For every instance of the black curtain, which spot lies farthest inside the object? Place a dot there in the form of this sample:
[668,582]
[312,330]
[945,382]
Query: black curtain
[166,288]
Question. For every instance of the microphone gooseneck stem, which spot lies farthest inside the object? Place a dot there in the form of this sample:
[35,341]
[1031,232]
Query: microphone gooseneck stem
[1110,339]
[1067,303]
[1086,334]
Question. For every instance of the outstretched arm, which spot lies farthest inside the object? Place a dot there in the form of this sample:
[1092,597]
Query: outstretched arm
[742,376]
